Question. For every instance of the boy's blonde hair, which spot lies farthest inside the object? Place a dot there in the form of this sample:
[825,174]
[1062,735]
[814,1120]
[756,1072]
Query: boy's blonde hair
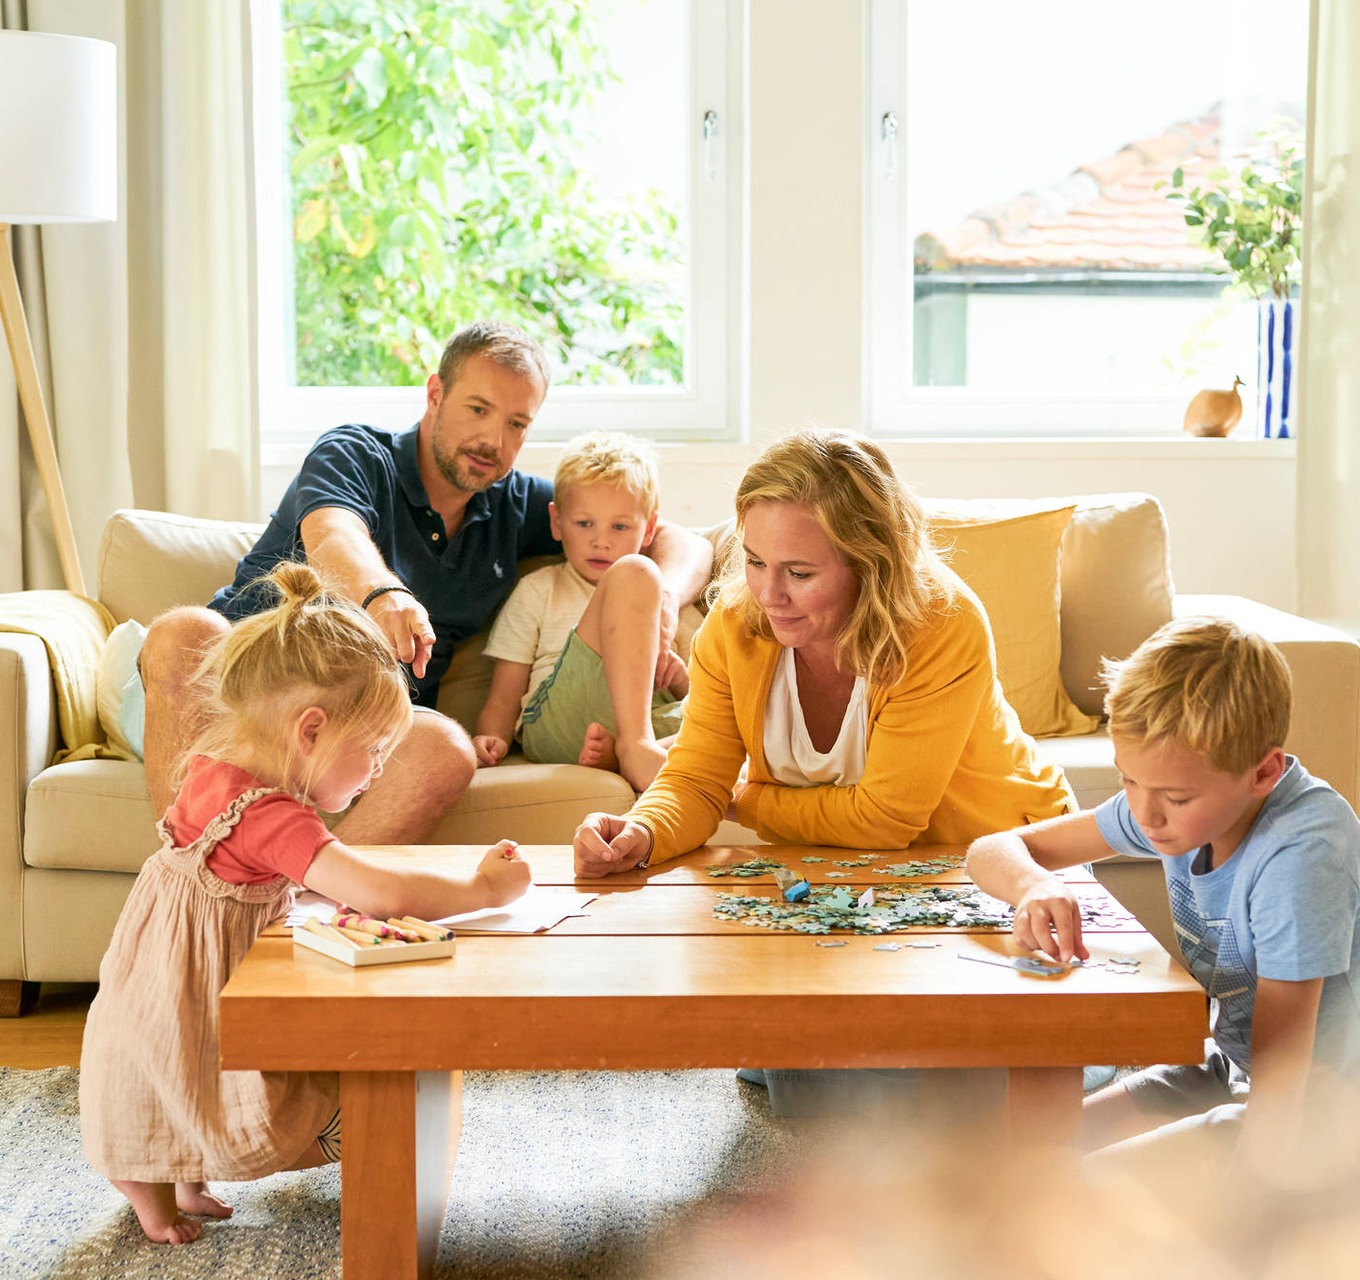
[876,525]
[610,457]
[311,649]
[1207,685]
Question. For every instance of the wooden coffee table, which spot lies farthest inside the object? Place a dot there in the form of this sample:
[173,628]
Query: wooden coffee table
[649,979]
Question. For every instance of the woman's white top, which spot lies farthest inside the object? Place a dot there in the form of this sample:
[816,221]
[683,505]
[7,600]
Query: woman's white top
[789,753]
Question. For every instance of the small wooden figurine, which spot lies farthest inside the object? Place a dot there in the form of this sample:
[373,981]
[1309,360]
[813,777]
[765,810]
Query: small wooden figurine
[1214,413]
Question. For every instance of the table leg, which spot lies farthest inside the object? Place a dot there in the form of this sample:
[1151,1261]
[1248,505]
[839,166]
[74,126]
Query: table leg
[399,1138]
[1043,1104]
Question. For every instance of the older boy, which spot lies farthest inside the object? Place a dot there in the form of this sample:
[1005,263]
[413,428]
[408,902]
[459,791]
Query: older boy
[1262,867]
[576,645]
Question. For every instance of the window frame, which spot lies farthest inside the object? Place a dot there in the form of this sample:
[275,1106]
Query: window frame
[706,408]
[894,407]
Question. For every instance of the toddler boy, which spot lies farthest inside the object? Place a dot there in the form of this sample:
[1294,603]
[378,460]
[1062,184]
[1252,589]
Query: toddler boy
[1261,862]
[578,672]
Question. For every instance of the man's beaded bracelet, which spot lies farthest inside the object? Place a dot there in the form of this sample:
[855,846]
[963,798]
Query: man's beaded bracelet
[383,590]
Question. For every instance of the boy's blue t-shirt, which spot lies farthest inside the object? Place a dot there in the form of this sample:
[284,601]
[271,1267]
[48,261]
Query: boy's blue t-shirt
[374,473]
[1285,905]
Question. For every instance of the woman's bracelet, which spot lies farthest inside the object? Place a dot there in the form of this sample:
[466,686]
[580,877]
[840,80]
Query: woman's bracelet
[383,590]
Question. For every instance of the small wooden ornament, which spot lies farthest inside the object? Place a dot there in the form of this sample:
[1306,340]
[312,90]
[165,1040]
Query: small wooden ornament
[1214,413]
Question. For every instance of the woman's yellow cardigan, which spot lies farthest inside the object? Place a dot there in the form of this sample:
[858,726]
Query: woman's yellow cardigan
[946,759]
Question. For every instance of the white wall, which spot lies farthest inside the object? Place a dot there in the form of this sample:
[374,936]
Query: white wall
[1230,504]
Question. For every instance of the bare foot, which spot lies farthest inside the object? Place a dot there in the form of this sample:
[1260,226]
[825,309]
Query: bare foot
[597,751]
[194,1197]
[157,1212]
[641,762]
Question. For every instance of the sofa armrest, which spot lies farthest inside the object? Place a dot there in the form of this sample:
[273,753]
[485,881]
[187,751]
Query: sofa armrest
[28,740]
[1324,730]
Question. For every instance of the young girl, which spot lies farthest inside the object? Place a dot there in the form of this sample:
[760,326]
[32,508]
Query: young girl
[308,701]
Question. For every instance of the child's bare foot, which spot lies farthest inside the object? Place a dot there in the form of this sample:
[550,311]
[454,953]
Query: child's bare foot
[194,1197]
[640,762]
[157,1212]
[597,751]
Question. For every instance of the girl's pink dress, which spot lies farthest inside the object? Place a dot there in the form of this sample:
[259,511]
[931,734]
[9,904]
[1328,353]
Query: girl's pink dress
[154,1104]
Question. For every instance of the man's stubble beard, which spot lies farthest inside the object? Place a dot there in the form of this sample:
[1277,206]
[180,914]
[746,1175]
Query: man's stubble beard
[448,467]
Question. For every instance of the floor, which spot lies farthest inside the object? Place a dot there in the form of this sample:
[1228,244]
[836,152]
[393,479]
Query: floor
[50,1035]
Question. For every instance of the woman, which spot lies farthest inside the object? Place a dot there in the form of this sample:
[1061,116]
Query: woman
[852,668]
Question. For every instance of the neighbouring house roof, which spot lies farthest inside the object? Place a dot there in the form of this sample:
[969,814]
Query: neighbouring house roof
[1105,217]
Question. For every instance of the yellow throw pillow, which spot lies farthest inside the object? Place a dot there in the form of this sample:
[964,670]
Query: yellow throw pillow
[1014,566]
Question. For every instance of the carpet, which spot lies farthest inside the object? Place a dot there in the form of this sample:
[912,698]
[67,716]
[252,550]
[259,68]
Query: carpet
[559,1174]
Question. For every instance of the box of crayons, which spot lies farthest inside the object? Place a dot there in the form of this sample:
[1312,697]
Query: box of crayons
[361,940]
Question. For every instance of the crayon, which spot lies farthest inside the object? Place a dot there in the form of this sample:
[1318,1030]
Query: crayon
[313,925]
[406,931]
[362,924]
[354,935]
[442,933]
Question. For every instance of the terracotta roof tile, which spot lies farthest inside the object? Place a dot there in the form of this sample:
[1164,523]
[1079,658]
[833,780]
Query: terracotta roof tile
[1107,215]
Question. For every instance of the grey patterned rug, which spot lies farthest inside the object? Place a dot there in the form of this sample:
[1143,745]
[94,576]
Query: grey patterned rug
[558,1175]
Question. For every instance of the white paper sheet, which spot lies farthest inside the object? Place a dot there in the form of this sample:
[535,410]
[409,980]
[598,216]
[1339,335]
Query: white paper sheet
[542,907]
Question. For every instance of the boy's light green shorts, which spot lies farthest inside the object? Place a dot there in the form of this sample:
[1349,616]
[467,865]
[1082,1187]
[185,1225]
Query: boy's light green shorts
[574,696]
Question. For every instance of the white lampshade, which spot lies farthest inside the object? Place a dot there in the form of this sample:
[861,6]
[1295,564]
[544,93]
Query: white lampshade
[58,128]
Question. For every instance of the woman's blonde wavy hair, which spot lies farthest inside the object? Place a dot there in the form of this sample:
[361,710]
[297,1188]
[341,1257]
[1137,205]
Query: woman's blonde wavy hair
[311,649]
[878,529]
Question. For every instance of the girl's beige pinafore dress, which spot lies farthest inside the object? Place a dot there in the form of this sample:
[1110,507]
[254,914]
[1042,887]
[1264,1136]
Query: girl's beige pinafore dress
[154,1104]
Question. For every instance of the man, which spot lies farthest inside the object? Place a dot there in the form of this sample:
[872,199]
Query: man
[422,529]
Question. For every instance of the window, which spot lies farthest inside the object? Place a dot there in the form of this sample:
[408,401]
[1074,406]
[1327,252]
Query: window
[1026,269]
[422,163]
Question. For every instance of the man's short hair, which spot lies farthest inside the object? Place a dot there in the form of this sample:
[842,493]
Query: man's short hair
[610,457]
[1206,684]
[507,344]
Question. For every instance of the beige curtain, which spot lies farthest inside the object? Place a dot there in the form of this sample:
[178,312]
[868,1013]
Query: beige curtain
[143,327]
[1329,404]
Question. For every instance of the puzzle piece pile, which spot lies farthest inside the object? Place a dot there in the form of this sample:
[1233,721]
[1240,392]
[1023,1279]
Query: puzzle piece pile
[883,910]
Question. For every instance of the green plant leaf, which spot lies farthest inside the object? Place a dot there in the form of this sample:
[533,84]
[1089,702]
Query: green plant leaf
[371,73]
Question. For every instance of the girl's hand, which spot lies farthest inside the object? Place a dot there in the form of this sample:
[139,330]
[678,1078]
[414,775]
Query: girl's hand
[1048,909]
[489,748]
[502,874]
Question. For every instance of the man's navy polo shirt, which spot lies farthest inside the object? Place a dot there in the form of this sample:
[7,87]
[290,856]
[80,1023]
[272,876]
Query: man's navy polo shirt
[374,473]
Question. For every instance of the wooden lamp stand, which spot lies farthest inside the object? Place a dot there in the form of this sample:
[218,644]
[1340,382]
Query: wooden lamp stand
[35,413]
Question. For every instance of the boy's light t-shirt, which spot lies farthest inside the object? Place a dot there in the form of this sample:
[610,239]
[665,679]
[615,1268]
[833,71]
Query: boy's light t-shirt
[534,624]
[1286,906]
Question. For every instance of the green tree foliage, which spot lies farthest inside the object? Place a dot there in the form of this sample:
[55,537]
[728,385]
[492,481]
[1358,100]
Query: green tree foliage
[433,148]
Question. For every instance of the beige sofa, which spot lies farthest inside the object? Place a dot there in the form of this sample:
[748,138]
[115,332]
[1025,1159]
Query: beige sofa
[72,836]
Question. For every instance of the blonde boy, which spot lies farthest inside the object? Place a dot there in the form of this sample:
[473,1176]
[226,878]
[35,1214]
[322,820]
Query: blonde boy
[1262,868]
[578,668]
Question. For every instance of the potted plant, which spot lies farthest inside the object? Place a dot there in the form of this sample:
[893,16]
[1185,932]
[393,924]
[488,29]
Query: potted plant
[1253,221]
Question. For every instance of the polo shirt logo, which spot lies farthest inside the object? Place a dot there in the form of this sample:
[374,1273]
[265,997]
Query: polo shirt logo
[496,565]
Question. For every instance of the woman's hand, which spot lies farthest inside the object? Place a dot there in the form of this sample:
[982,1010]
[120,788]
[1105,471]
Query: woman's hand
[606,845]
[502,875]
[738,790]
[1046,909]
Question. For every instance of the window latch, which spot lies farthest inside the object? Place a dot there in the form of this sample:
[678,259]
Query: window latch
[887,131]
[710,132]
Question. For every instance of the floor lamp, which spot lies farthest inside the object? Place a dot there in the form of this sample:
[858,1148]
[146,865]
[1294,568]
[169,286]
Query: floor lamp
[58,163]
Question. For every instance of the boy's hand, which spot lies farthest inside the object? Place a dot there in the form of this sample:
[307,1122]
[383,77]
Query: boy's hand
[489,748]
[672,674]
[605,844]
[502,874]
[1050,908]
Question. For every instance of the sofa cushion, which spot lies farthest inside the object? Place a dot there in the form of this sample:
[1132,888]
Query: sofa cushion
[150,561]
[1012,563]
[1116,586]
[1088,761]
[95,815]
